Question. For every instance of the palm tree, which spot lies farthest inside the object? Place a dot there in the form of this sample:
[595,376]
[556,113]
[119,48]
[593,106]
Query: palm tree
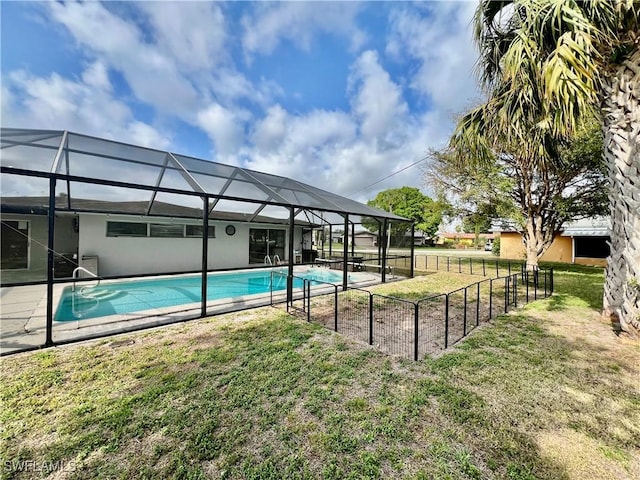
[545,65]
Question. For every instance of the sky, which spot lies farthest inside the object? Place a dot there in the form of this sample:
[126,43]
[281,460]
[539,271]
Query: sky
[334,94]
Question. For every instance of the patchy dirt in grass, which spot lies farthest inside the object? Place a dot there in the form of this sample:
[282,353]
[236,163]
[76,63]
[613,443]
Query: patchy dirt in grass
[583,458]
[593,332]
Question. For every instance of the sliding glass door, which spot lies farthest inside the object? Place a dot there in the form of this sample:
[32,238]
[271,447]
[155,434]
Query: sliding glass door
[266,242]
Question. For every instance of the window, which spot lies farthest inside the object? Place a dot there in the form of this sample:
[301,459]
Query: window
[166,230]
[591,247]
[196,231]
[15,245]
[126,229]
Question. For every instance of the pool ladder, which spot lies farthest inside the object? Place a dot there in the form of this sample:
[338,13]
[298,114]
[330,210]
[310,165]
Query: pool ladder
[276,260]
[75,310]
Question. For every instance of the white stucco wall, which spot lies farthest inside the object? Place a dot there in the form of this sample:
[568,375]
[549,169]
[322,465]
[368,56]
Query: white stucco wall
[138,255]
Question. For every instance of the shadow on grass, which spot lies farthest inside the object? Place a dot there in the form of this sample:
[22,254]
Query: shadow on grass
[522,363]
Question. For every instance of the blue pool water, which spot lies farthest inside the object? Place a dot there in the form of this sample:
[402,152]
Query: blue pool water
[133,296]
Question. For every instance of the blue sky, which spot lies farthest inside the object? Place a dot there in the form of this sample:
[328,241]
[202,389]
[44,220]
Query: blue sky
[334,94]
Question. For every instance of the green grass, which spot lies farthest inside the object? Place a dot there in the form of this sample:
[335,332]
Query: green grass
[548,392]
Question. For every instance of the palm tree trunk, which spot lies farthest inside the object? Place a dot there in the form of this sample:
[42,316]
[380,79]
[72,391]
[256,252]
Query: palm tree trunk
[621,112]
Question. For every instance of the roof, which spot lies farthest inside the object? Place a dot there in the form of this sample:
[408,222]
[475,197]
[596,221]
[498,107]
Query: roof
[504,225]
[40,206]
[364,233]
[94,168]
[466,235]
[586,227]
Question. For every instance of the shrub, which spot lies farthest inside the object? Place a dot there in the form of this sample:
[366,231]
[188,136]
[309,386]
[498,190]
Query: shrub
[495,249]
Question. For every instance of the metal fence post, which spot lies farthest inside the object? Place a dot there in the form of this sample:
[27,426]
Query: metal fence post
[448,263]
[490,298]
[551,281]
[478,304]
[335,308]
[526,282]
[416,318]
[484,272]
[535,284]
[515,290]
[470,266]
[289,292]
[308,300]
[459,265]
[506,294]
[509,268]
[370,318]
[50,259]
[497,269]
[545,284]
[464,315]
[446,320]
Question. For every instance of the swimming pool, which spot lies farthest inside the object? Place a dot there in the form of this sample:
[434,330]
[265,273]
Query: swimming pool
[145,294]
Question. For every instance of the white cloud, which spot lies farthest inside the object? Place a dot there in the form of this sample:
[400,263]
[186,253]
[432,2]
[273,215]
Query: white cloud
[87,105]
[299,22]
[224,127]
[150,73]
[175,59]
[271,130]
[378,102]
[193,32]
[439,37]
[346,151]
[299,146]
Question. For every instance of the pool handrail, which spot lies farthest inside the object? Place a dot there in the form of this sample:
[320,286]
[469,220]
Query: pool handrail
[82,269]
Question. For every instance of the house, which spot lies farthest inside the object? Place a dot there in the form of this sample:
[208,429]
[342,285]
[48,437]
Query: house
[111,244]
[365,238]
[583,242]
[462,239]
[420,239]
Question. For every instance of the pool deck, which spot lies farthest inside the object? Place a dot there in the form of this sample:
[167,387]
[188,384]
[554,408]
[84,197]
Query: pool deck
[23,313]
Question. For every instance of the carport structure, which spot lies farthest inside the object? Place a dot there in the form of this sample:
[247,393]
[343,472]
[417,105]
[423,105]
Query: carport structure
[78,173]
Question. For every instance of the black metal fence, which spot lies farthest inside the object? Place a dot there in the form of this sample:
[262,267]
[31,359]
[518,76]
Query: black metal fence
[414,329]
[487,267]
[368,261]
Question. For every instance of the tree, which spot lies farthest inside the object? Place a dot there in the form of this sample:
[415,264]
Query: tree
[545,63]
[407,202]
[538,196]
[477,222]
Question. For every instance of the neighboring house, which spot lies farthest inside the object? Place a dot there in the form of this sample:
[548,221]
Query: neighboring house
[420,239]
[583,242]
[365,238]
[462,238]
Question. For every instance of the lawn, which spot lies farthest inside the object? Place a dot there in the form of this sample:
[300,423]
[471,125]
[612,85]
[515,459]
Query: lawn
[545,392]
